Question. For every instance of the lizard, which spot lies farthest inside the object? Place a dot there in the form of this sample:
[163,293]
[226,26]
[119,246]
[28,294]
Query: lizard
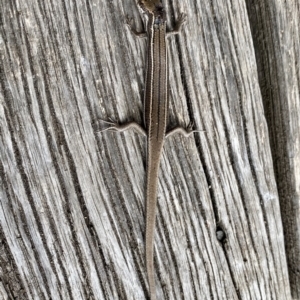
[155,114]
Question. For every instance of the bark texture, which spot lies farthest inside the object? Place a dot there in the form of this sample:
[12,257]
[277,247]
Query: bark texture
[72,199]
[275,29]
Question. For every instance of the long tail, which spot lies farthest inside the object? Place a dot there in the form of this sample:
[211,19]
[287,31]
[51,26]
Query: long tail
[152,179]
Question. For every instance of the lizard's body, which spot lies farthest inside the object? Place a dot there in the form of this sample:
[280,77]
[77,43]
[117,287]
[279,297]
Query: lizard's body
[155,116]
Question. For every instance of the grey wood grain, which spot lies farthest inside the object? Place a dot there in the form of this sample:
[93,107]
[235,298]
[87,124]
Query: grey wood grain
[275,30]
[72,199]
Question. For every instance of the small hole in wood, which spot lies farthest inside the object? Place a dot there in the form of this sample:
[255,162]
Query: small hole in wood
[220,234]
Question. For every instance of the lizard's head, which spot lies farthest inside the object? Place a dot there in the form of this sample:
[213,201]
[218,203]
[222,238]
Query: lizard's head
[153,7]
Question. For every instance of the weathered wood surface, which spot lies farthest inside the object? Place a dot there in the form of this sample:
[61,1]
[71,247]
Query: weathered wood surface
[275,28]
[72,200]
